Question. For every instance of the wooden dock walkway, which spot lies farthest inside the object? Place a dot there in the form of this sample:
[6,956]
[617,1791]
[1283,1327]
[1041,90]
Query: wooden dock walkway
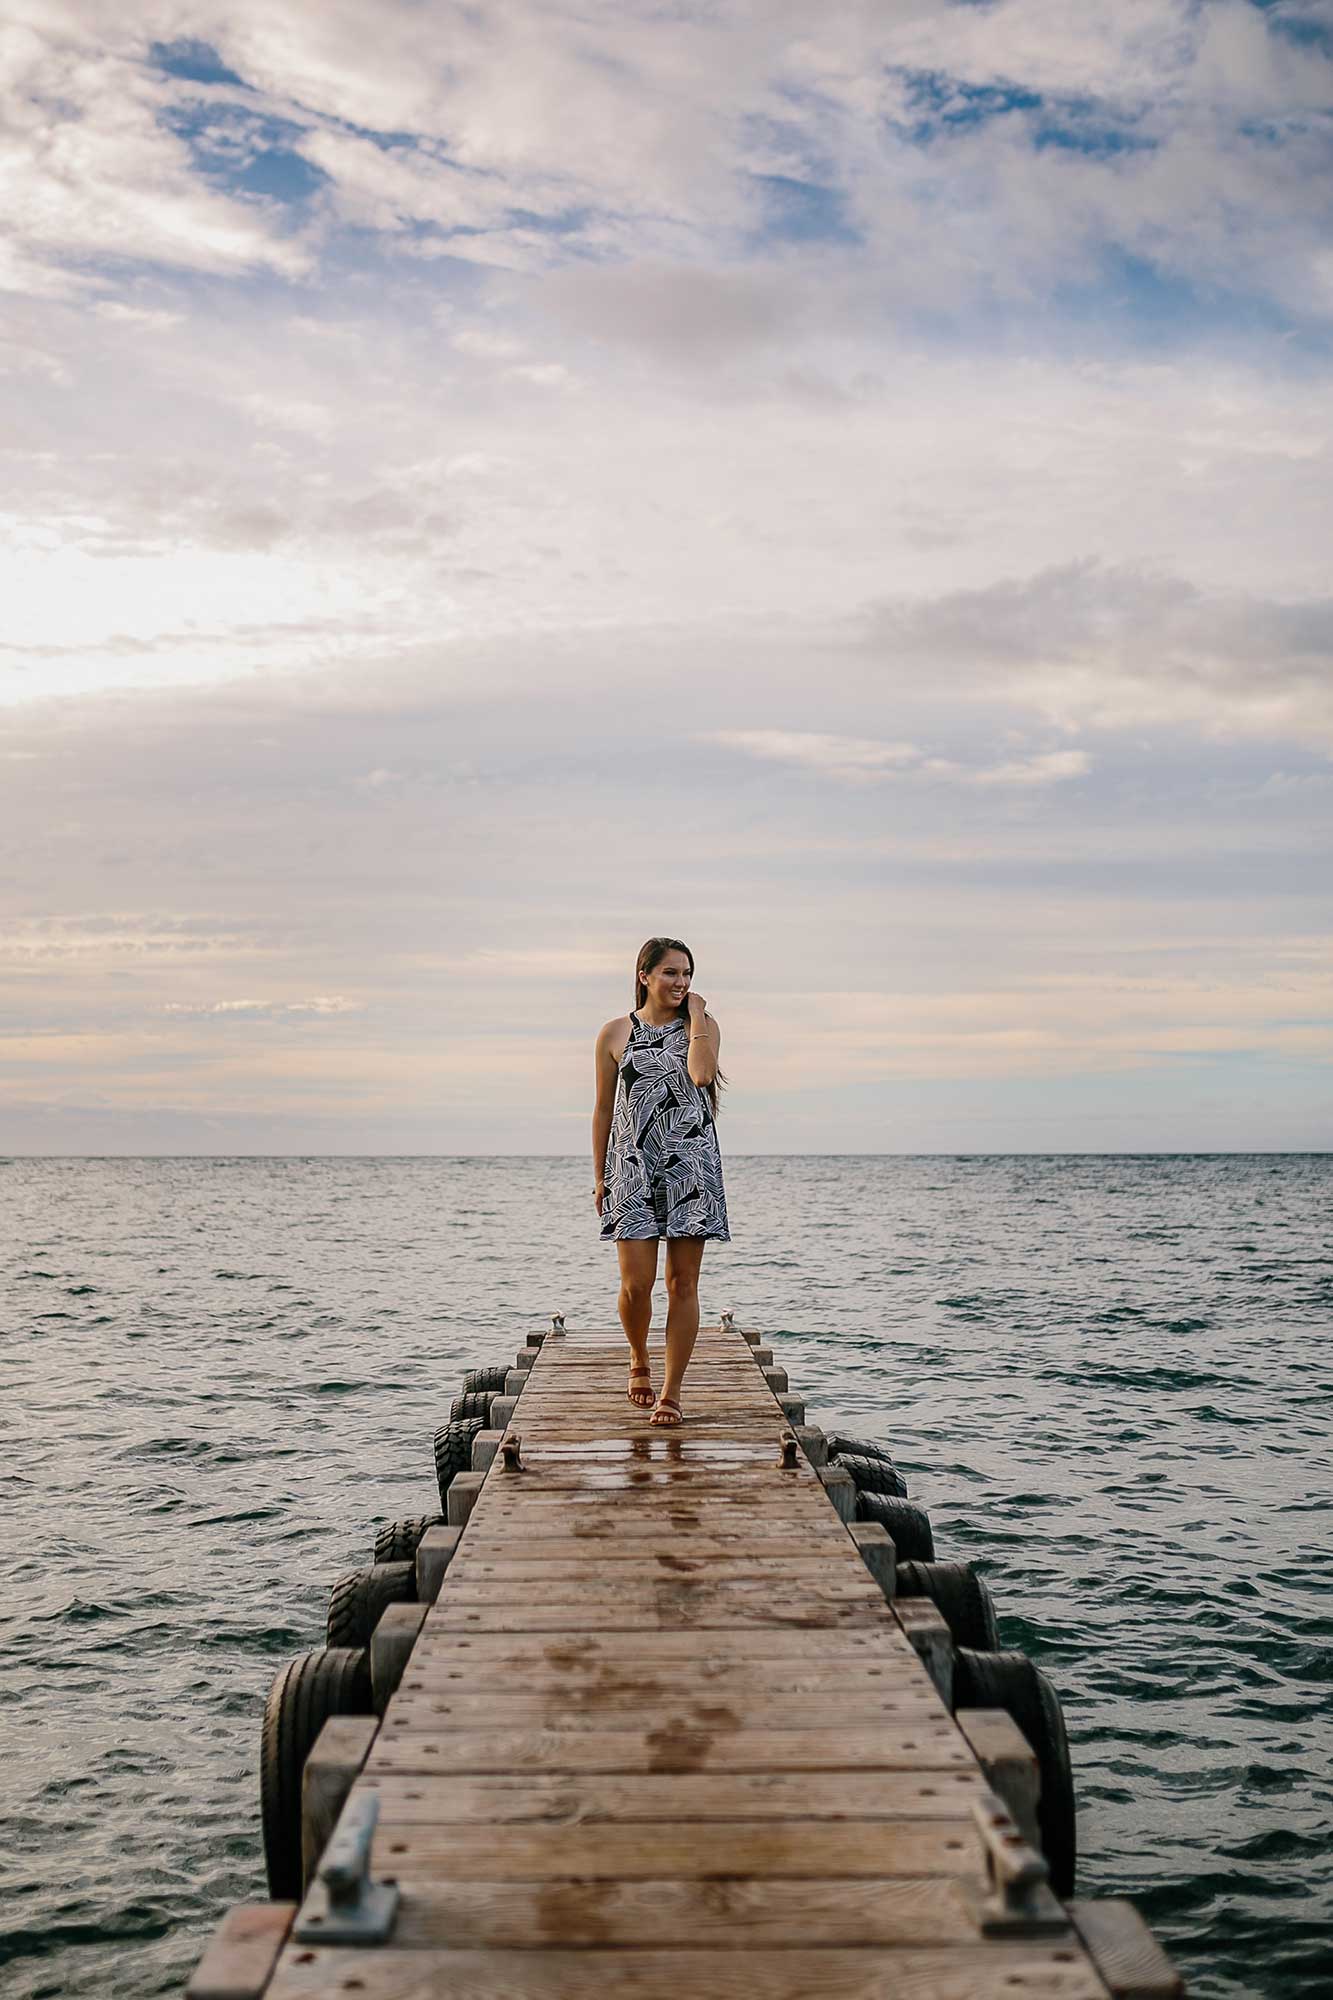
[663,1731]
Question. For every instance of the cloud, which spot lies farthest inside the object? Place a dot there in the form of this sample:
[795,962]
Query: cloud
[922,157]
[860,760]
[1096,645]
[269,1010]
[489,485]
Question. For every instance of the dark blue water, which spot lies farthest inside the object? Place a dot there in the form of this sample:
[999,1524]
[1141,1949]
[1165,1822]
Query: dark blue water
[1109,1379]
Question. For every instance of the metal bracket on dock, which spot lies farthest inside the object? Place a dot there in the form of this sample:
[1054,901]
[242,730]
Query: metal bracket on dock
[343,1905]
[725,1321]
[791,1445]
[557,1323]
[1019,1901]
[509,1449]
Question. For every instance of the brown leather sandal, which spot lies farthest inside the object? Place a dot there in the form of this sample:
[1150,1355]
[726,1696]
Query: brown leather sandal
[640,1396]
[668,1422]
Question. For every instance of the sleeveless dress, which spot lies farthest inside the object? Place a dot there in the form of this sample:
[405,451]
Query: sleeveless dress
[663,1167]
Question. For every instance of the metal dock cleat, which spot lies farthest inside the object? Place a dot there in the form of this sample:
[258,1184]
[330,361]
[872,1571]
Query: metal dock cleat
[1019,1900]
[343,1905]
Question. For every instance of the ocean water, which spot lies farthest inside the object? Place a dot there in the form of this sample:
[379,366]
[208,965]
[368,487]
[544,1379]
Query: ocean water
[1109,1378]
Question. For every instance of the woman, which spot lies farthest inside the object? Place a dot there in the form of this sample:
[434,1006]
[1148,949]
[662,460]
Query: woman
[657,1092]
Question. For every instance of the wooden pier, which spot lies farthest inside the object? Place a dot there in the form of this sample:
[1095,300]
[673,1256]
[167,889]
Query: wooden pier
[659,1726]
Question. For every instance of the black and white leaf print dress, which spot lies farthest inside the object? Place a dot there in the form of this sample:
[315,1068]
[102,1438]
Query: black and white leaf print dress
[663,1167]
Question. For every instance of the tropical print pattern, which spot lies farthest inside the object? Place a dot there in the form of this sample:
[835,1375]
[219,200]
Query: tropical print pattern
[663,1167]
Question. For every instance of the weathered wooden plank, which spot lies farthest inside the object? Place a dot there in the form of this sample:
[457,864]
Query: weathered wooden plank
[651,1683]
[847,1797]
[665,1557]
[663,1745]
[1125,1952]
[603,1602]
[881,1648]
[727,1914]
[683,1615]
[686,1849]
[603,1532]
[769,1704]
[663,1547]
[242,1952]
[659,1477]
[990,1971]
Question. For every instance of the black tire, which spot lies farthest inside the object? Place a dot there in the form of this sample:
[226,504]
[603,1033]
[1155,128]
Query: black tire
[302,1698]
[474,1403]
[453,1452]
[873,1475]
[960,1596]
[359,1600]
[484,1378]
[858,1447]
[908,1525]
[397,1541]
[1015,1683]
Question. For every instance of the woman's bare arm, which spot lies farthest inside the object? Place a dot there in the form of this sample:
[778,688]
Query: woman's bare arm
[605,1072]
[705,1041]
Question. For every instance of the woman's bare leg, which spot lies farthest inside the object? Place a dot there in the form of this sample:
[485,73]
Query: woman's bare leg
[683,1258]
[638,1275]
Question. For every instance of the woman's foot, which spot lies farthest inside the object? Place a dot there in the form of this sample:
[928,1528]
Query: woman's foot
[668,1413]
[643,1394]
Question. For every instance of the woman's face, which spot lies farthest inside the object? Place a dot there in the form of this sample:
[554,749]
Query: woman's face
[669,980]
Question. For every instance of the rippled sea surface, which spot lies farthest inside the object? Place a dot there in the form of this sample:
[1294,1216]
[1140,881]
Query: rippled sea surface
[1109,1378]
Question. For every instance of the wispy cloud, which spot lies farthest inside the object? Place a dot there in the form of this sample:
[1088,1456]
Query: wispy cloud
[862,760]
[321,1004]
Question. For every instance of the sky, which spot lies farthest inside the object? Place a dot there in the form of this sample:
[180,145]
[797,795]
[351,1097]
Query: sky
[846,487]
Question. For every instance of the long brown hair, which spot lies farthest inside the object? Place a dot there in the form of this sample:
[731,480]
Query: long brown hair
[650,954]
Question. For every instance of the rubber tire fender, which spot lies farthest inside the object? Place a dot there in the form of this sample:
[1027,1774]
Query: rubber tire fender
[453,1451]
[304,1694]
[472,1403]
[909,1525]
[1015,1683]
[397,1541]
[484,1379]
[873,1475]
[959,1595]
[858,1447]
[359,1600]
